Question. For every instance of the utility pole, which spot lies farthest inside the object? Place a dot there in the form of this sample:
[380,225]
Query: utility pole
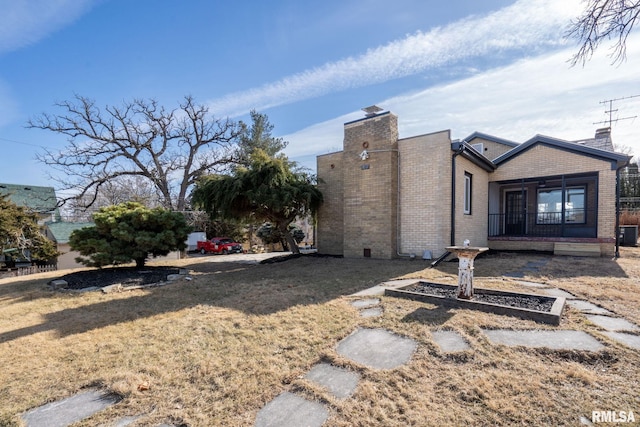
[610,111]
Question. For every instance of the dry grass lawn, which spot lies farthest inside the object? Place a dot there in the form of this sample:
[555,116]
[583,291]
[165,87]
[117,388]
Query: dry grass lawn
[214,350]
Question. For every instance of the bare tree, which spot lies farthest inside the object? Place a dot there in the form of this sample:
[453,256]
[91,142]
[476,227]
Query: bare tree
[114,192]
[604,20]
[169,149]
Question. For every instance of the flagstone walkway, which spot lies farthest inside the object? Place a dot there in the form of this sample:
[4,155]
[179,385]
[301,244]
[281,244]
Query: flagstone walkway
[380,349]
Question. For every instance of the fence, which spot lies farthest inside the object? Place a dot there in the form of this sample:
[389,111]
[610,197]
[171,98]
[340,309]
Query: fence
[25,271]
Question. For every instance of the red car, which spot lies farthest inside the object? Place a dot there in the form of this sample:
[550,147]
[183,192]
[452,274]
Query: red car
[219,245]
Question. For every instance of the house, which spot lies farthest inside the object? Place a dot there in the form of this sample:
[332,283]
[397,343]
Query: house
[43,202]
[40,200]
[59,232]
[386,197]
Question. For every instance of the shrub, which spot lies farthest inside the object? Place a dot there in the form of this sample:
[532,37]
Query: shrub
[129,232]
[630,218]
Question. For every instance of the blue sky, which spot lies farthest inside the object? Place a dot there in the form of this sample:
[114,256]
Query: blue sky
[495,66]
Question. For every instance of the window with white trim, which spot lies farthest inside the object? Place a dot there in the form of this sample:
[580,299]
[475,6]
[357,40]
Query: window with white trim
[467,193]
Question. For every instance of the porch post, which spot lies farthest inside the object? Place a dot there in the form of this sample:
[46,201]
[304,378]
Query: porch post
[562,214]
[523,209]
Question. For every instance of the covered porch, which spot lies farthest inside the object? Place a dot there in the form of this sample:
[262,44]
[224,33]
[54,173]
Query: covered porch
[545,208]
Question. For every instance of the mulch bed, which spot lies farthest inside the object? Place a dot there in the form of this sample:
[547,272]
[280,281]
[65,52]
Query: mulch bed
[126,276]
[532,302]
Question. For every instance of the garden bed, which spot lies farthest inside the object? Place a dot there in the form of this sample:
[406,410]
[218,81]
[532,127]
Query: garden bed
[539,308]
[125,276]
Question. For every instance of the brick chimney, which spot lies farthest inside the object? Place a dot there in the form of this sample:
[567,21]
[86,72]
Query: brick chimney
[603,139]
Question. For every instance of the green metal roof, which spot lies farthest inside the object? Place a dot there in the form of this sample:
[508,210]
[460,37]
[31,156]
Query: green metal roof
[34,198]
[62,230]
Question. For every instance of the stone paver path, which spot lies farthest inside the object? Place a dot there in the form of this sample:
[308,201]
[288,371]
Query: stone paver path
[530,267]
[365,303]
[616,328]
[291,410]
[555,292]
[450,341]
[368,307]
[612,323]
[587,307]
[630,340]
[557,340]
[374,348]
[532,284]
[70,410]
[371,312]
[377,348]
[340,382]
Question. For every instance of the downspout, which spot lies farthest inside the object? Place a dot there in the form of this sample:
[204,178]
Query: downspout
[617,252]
[399,216]
[458,151]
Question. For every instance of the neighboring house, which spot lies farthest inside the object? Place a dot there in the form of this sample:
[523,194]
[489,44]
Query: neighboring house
[386,197]
[43,202]
[59,232]
[40,200]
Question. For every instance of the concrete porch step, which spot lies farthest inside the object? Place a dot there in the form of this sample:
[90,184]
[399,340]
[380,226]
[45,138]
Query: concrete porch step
[576,249]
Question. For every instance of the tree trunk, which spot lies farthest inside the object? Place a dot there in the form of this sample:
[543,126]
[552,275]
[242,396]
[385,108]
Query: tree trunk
[140,262]
[291,242]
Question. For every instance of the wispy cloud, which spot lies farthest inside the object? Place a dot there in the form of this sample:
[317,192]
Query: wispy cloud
[537,95]
[527,24]
[23,23]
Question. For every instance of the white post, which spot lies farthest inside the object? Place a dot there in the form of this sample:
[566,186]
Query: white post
[466,254]
[465,275]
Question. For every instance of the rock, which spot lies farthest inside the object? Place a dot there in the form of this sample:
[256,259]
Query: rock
[58,284]
[112,288]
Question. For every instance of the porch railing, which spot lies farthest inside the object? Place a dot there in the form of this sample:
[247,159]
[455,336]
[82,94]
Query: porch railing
[577,223]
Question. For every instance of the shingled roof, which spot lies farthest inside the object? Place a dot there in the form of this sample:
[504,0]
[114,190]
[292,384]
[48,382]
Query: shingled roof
[34,198]
[60,231]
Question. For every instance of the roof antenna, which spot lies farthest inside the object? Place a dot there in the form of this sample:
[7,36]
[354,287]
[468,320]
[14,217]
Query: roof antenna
[610,111]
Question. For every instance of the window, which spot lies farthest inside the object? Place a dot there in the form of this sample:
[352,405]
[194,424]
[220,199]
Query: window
[467,193]
[550,206]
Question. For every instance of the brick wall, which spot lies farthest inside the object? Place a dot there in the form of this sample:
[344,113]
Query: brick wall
[360,211]
[425,189]
[473,226]
[492,149]
[370,187]
[330,229]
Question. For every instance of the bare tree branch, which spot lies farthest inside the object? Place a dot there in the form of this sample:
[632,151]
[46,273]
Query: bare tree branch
[604,20]
[169,149]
